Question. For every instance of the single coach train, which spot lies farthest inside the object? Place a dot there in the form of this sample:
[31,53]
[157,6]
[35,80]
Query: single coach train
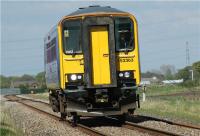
[92,63]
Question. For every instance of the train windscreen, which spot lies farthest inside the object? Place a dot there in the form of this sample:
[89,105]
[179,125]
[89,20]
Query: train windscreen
[123,34]
[72,36]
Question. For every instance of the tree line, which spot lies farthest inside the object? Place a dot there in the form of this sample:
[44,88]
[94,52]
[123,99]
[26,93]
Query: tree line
[166,72]
[6,82]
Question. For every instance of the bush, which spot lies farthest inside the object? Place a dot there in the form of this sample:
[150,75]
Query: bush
[24,89]
[190,83]
[42,90]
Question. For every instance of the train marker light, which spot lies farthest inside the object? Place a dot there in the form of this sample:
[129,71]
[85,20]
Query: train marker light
[79,77]
[127,74]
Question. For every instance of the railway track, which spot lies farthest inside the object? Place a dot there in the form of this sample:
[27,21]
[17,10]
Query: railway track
[152,131]
[169,122]
[81,127]
[91,131]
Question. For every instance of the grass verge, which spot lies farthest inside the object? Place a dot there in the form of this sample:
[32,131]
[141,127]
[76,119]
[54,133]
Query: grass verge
[42,96]
[8,126]
[180,107]
[168,89]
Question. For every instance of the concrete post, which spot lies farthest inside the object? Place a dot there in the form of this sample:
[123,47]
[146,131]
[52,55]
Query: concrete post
[143,93]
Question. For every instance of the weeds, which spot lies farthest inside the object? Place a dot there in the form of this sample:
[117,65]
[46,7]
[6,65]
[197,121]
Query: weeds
[7,124]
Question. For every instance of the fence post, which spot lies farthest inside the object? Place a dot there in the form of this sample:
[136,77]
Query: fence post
[143,93]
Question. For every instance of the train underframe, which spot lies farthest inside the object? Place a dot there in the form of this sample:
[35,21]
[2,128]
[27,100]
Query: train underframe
[94,102]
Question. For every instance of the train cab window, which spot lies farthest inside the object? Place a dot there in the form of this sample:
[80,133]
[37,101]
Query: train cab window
[72,36]
[123,34]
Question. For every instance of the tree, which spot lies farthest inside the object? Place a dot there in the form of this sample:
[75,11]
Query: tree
[26,77]
[24,89]
[196,66]
[40,78]
[184,73]
[196,70]
[152,74]
[4,82]
[168,71]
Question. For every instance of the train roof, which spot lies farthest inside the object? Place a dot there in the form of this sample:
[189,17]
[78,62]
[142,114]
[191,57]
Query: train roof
[95,9]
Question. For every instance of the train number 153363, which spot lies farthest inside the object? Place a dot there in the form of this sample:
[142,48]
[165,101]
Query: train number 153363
[126,60]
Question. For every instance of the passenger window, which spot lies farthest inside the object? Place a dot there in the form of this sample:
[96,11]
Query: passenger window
[72,36]
[51,51]
[123,34]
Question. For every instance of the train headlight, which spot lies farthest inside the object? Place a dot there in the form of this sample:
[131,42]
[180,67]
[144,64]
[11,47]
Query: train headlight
[73,77]
[121,74]
[127,74]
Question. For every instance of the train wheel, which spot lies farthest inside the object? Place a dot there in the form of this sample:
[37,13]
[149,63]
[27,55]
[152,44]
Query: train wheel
[62,106]
[75,119]
[63,116]
[121,118]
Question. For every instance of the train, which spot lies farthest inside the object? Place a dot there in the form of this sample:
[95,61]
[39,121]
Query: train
[92,65]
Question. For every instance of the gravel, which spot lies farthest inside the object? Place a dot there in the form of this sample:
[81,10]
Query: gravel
[39,124]
[35,124]
[119,131]
[28,97]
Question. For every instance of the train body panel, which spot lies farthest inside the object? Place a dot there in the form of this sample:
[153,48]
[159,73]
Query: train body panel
[52,64]
[95,67]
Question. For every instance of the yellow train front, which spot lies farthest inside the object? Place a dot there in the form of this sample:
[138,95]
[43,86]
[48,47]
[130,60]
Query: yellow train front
[92,63]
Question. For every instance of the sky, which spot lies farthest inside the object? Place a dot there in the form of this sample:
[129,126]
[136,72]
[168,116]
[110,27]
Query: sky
[164,29]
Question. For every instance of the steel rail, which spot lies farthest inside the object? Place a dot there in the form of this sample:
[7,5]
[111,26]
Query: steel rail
[144,129]
[170,122]
[83,128]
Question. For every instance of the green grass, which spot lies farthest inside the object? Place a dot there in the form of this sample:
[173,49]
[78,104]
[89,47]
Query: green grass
[7,124]
[43,96]
[168,89]
[184,108]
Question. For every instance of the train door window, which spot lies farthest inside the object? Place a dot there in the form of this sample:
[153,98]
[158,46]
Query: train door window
[72,36]
[123,34]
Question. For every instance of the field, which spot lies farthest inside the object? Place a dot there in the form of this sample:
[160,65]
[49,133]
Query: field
[172,102]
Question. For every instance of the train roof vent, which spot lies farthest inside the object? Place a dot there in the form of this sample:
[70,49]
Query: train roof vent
[94,6]
[81,8]
[91,6]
